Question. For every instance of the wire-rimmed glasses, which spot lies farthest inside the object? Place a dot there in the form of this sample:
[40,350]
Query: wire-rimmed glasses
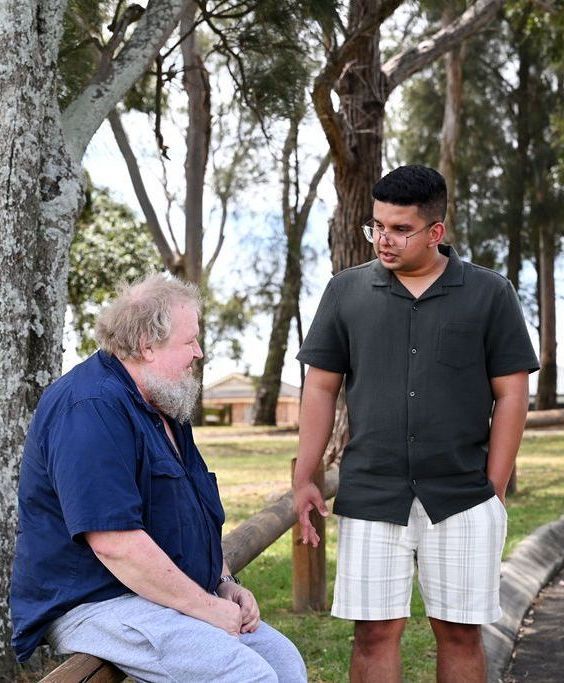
[395,238]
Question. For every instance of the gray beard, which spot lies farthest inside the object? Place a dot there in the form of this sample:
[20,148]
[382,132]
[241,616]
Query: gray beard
[174,397]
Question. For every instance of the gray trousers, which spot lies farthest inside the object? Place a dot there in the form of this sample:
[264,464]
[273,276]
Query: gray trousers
[157,644]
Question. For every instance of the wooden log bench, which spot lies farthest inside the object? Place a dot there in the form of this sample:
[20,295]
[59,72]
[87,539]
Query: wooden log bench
[81,668]
[240,547]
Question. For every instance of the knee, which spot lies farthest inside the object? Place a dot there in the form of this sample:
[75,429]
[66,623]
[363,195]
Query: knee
[261,672]
[372,635]
[294,668]
[467,636]
[288,663]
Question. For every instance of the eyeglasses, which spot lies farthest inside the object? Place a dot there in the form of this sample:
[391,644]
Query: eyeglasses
[395,238]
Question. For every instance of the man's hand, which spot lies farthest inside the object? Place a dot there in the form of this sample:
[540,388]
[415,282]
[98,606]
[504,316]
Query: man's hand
[141,565]
[224,614]
[248,606]
[307,498]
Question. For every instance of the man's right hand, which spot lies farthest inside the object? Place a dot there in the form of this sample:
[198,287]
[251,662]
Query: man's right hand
[307,498]
[224,614]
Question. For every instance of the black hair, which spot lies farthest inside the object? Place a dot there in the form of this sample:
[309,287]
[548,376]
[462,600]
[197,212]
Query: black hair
[414,185]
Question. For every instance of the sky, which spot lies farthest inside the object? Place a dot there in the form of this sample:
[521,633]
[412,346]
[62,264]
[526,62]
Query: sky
[256,210]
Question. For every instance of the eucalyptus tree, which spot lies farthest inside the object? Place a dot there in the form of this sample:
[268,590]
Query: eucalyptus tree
[42,144]
[295,216]
[508,190]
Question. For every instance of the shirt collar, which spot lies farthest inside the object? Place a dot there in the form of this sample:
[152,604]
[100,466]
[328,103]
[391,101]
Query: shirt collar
[116,366]
[453,275]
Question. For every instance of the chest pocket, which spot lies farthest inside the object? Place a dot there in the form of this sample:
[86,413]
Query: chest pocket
[460,345]
[166,467]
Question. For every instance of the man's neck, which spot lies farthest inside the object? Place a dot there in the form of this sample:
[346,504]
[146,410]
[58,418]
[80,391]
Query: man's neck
[419,280]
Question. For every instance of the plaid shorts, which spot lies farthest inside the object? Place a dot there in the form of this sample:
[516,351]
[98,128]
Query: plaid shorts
[458,563]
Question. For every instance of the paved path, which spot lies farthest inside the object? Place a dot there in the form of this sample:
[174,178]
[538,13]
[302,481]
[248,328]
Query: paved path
[539,652]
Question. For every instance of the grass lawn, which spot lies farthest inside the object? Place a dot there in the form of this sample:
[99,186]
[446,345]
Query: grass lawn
[253,467]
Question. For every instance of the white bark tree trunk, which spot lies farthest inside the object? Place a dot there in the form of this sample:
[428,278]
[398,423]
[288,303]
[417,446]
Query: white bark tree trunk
[40,193]
[40,189]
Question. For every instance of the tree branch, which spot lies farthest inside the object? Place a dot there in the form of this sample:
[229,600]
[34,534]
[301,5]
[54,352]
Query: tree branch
[303,214]
[85,114]
[120,135]
[289,144]
[325,82]
[170,201]
[406,63]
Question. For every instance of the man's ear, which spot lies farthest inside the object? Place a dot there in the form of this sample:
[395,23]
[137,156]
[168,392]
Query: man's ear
[437,233]
[146,350]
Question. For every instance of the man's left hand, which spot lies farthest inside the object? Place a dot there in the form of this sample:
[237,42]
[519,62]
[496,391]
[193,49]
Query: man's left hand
[246,601]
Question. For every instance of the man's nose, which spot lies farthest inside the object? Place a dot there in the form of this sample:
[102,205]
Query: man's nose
[198,351]
[384,235]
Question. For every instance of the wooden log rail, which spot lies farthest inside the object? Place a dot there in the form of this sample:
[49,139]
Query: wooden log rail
[240,547]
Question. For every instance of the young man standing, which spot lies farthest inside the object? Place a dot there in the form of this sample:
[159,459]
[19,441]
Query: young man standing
[428,345]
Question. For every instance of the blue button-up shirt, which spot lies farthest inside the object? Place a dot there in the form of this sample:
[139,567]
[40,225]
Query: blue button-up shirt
[97,458]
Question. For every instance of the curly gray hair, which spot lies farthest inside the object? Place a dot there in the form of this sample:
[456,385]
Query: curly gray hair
[142,312]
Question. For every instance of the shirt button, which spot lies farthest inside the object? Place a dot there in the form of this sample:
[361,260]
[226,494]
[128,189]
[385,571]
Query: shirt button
[413,350]
[412,438]
[412,394]
[414,307]
[413,482]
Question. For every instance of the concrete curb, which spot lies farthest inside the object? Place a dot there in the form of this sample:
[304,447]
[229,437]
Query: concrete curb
[528,569]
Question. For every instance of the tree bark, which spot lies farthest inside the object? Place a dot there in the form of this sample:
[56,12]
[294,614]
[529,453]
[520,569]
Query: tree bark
[197,87]
[40,201]
[546,390]
[40,185]
[451,127]
[519,172]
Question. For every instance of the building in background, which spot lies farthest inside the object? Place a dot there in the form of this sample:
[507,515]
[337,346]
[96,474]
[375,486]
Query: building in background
[231,400]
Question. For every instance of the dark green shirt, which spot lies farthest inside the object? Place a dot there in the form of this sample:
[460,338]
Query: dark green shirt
[418,388]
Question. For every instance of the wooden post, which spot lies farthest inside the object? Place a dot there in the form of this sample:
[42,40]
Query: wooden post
[309,581]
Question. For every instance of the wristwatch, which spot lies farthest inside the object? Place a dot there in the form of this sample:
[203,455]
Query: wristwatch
[228,578]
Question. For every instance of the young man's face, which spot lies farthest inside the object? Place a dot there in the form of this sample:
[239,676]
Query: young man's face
[398,223]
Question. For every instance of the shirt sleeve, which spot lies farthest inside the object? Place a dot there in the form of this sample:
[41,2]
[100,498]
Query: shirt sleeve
[91,460]
[326,344]
[508,345]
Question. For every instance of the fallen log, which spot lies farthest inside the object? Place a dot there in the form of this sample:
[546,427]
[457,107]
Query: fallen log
[251,537]
[544,418]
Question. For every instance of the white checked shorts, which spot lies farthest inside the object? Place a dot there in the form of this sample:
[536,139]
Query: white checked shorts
[458,562]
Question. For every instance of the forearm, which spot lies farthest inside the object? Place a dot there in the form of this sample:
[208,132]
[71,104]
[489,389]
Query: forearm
[141,565]
[508,422]
[317,416]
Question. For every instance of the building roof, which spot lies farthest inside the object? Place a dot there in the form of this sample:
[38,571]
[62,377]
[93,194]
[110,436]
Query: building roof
[238,385]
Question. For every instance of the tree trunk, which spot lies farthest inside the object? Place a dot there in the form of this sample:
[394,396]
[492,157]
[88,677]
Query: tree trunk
[546,391]
[40,191]
[451,127]
[197,87]
[357,157]
[519,172]
[295,223]
[269,386]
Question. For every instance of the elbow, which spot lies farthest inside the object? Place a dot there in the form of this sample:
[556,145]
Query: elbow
[113,545]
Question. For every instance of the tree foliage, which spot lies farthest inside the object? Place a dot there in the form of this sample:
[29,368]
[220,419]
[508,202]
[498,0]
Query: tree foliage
[110,246]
